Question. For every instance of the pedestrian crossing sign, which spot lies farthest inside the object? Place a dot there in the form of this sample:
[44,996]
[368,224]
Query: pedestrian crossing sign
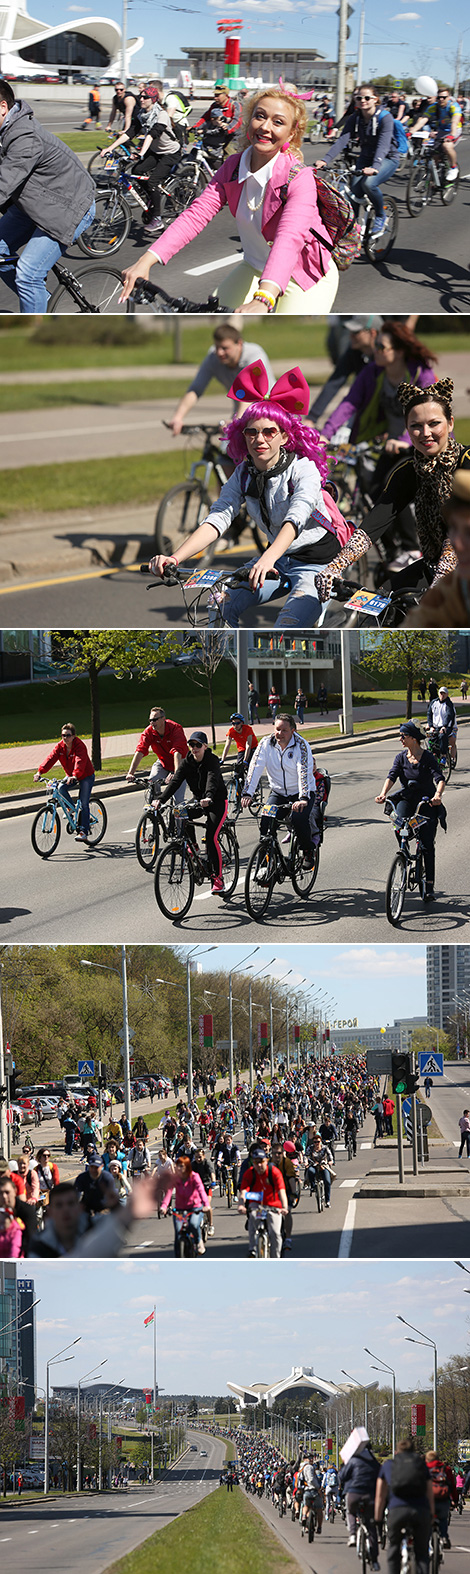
[86,1068]
[431,1063]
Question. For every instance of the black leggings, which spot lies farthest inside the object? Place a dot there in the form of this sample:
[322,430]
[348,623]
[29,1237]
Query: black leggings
[157,170]
[214,818]
[406,803]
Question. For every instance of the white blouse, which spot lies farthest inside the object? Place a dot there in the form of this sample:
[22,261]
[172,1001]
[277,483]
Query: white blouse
[250,210]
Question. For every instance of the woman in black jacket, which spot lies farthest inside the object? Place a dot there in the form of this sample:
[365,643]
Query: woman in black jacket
[201,770]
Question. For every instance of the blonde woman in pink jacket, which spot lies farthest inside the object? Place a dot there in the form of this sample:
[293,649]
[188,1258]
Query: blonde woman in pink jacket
[273,197]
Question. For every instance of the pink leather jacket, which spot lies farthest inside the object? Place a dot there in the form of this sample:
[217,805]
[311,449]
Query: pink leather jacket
[295,254]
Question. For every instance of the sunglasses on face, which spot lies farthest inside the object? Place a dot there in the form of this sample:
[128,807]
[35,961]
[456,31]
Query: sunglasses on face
[266,431]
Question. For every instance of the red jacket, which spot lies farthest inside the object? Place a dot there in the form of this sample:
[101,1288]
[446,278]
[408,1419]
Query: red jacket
[77,763]
[165,745]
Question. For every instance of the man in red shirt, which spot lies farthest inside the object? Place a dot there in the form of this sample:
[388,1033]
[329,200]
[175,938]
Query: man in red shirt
[243,736]
[166,739]
[267,1180]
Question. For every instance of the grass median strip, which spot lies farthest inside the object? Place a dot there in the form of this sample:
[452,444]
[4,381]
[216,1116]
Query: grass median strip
[141,478]
[44,396]
[221,1536]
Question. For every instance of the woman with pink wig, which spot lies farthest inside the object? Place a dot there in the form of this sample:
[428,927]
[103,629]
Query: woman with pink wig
[281,473]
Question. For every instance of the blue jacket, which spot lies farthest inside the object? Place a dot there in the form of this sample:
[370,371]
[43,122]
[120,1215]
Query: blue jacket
[360,1474]
[375,139]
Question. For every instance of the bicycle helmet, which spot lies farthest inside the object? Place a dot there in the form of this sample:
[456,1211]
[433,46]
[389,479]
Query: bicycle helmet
[237,716]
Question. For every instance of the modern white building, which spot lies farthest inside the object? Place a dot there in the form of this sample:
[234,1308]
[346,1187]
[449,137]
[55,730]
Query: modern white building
[28,45]
[448,982]
[394,1036]
[302,1382]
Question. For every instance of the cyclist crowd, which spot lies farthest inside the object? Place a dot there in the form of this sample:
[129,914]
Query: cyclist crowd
[265,1145]
[407,1495]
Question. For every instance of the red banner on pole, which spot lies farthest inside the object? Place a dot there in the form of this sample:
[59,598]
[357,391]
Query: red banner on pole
[206,1032]
[262,1034]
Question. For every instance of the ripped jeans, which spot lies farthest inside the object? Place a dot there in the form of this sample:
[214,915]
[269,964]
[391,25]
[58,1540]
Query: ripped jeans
[302,608]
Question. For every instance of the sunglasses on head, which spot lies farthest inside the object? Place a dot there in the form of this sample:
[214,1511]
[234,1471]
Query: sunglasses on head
[266,431]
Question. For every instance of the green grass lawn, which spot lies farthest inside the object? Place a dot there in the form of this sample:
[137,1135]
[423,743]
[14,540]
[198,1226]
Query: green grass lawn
[52,395]
[222,1535]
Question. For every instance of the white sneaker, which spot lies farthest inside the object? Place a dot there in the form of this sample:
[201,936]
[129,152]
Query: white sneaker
[451,175]
[201,1251]
[352,1541]
[211,1231]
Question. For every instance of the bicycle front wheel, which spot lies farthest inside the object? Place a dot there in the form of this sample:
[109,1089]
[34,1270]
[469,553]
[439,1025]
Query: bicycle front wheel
[256,802]
[233,798]
[179,192]
[435,1552]
[320,1191]
[446,767]
[110,226]
[147,839]
[259,879]
[230,860]
[174,882]
[377,247]
[262,1244]
[417,191]
[182,509]
[395,892]
[98,822]
[45,831]
[93,289]
[303,878]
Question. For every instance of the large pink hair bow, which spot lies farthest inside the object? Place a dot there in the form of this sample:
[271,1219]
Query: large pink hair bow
[291,392]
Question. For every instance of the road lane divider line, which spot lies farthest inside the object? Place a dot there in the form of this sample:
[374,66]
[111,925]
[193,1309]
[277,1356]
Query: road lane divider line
[347,1183]
[210,267]
[348,1230]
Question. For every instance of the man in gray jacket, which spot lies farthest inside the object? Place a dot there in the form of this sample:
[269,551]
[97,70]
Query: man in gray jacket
[46,198]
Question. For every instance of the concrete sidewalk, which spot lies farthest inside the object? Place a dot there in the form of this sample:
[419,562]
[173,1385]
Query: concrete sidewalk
[23,757]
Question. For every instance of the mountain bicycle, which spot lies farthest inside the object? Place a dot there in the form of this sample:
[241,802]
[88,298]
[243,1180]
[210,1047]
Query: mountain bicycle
[262,1246]
[46,826]
[429,178]
[187,504]
[93,289]
[155,825]
[441,751]
[369,608]
[376,247]
[115,160]
[363,1535]
[181,866]
[407,872]
[115,195]
[269,865]
[235,792]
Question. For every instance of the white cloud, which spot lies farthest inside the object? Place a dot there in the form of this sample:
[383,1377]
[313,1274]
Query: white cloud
[263,7]
[406,16]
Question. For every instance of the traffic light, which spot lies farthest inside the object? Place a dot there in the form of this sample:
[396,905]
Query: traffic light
[14,1083]
[404,1080]
[101,1081]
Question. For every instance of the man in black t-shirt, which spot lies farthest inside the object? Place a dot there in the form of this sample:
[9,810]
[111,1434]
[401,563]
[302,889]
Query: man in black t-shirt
[404,1485]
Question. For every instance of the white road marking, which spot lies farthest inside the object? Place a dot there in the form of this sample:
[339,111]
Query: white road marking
[347,1183]
[79,431]
[211,267]
[366,1144]
[348,1231]
[6,1538]
[33,1532]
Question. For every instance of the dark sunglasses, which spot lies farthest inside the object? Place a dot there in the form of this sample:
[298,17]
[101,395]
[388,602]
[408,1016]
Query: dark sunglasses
[266,431]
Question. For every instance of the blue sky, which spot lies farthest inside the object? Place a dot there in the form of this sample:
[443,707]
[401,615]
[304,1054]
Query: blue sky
[373,983]
[250,1321]
[404,38]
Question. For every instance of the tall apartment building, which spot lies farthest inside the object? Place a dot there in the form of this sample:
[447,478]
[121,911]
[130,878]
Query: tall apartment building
[447,981]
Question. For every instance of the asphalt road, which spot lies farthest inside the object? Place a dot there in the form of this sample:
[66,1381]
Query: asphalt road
[79,895]
[329,1553]
[427,270]
[92,1532]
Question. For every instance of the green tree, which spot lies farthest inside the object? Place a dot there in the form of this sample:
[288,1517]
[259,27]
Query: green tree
[129,653]
[205,657]
[426,1038]
[410,652]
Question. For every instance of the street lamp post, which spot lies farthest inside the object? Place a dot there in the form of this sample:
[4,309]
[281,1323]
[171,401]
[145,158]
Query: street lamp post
[172,985]
[250,1015]
[79,1385]
[424,1339]
[382,1367]
[125,1033]
[55,1360]
[230,1010]
[365,1390]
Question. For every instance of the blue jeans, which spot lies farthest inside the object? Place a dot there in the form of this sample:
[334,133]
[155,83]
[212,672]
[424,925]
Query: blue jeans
[302,608]
[39,255]
[195,1223]
[84,793]
[369,185]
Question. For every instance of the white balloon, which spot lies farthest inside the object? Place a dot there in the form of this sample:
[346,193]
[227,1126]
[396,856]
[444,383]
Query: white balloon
[426,86]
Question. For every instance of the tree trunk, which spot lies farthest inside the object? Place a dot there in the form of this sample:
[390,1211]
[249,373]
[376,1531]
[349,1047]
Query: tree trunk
[93,675]
[409,686]
[211,706]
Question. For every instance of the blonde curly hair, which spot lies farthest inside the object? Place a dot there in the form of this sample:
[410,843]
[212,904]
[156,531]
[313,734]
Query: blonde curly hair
[296,106]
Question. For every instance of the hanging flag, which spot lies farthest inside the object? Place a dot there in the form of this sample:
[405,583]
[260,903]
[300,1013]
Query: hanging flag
[206,1031]
[148,1320]
[262,1035]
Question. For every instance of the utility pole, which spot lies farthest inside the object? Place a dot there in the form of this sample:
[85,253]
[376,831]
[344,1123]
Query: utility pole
[341,66]
[348,725]
[360,47]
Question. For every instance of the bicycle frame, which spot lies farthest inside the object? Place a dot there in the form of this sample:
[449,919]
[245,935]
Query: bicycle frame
[55,797]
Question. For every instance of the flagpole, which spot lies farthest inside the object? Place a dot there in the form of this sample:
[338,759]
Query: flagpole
[154,1357]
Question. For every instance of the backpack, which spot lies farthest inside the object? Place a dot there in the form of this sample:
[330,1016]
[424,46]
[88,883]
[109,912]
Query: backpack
[338,216]
[399,137]
[409,1476]
[439,1482]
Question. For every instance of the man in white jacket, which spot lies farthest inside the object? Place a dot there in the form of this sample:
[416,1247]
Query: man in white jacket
[287,760]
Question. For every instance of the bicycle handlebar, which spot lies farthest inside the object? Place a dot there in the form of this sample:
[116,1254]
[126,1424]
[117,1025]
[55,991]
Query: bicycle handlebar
[144,291]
